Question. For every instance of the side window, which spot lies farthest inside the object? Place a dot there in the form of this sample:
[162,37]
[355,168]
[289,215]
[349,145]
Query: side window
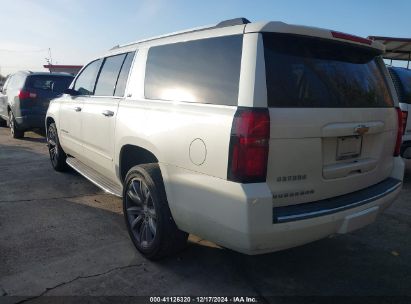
[16,82]
[122,78]
[6,84]
[202,71]
[107,80]
[13,83]
[86,81]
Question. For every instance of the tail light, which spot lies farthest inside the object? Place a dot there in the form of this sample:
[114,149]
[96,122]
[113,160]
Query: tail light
[26,95]
[248,156]
[401,126]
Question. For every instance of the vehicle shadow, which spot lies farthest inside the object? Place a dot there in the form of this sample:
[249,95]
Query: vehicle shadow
[64,238]
[32,136]
[34,139]
[26,174]
[35,136]
[340,266]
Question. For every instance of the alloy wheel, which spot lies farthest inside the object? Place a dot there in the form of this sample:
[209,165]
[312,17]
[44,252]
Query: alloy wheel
[141,213]
[51,142]
[11,123]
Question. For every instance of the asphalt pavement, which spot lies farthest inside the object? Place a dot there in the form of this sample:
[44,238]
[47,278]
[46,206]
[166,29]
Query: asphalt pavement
[60,235]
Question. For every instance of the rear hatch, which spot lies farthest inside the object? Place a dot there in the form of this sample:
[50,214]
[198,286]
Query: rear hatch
[333,122]
[43,88]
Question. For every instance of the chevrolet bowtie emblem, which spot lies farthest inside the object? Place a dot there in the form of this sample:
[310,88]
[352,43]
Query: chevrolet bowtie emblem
[361,130]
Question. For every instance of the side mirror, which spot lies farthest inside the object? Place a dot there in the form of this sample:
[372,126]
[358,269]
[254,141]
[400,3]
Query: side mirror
[71,92]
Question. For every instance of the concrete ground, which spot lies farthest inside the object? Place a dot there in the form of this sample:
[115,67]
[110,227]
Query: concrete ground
[60,235]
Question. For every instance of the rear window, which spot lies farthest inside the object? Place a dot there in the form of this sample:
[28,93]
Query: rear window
[317,73]
[201,71]
[55,84]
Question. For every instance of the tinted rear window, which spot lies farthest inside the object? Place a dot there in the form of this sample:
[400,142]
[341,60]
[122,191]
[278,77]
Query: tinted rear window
[107,80]
[315,73]
[49,83]
[122,78]
[203,71]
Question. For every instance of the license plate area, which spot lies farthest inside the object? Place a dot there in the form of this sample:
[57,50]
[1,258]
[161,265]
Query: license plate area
[348,147]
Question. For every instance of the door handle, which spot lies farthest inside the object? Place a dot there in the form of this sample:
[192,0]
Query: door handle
[77,109]
[108,113]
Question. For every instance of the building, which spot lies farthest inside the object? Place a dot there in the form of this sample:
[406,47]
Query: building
[71,69]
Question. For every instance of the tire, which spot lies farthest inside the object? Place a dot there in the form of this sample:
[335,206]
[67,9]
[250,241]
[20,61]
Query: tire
[57,155]
[14,131]
[148,218]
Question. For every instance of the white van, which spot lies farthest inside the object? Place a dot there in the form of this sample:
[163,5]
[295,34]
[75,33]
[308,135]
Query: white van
[256,136]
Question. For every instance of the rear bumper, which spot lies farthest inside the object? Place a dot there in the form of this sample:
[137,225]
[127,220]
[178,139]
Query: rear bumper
[241,216]
[31,121]
[294,233]
[336,204]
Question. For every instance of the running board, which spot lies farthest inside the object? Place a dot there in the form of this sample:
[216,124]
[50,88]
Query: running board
[95,177]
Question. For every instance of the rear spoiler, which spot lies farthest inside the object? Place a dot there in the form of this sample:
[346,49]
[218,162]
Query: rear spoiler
[281,27]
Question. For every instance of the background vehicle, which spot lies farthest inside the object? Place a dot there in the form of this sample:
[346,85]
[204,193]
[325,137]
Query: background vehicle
[26,96]
[402,82]
[258,137]
[3,100]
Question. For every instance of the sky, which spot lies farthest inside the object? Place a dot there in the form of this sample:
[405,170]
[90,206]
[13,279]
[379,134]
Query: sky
[76,31]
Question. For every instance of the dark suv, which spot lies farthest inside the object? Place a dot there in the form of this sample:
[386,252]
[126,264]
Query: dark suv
[402,81]
[25,98]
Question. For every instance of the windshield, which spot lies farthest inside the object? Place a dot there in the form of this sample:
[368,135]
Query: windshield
[312,72]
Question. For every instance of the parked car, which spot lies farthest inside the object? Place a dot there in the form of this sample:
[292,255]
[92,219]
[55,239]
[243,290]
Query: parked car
[2,82]
[25,98]
[256,136]
[402,81]
[3,98]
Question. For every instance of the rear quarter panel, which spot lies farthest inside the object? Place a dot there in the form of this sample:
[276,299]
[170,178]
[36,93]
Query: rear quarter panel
[189,140]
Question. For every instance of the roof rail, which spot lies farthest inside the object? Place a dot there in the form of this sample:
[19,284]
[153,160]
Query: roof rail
[224,23]
[24,71]
[231,22]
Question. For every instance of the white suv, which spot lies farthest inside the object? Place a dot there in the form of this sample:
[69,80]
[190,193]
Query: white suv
[256,136]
